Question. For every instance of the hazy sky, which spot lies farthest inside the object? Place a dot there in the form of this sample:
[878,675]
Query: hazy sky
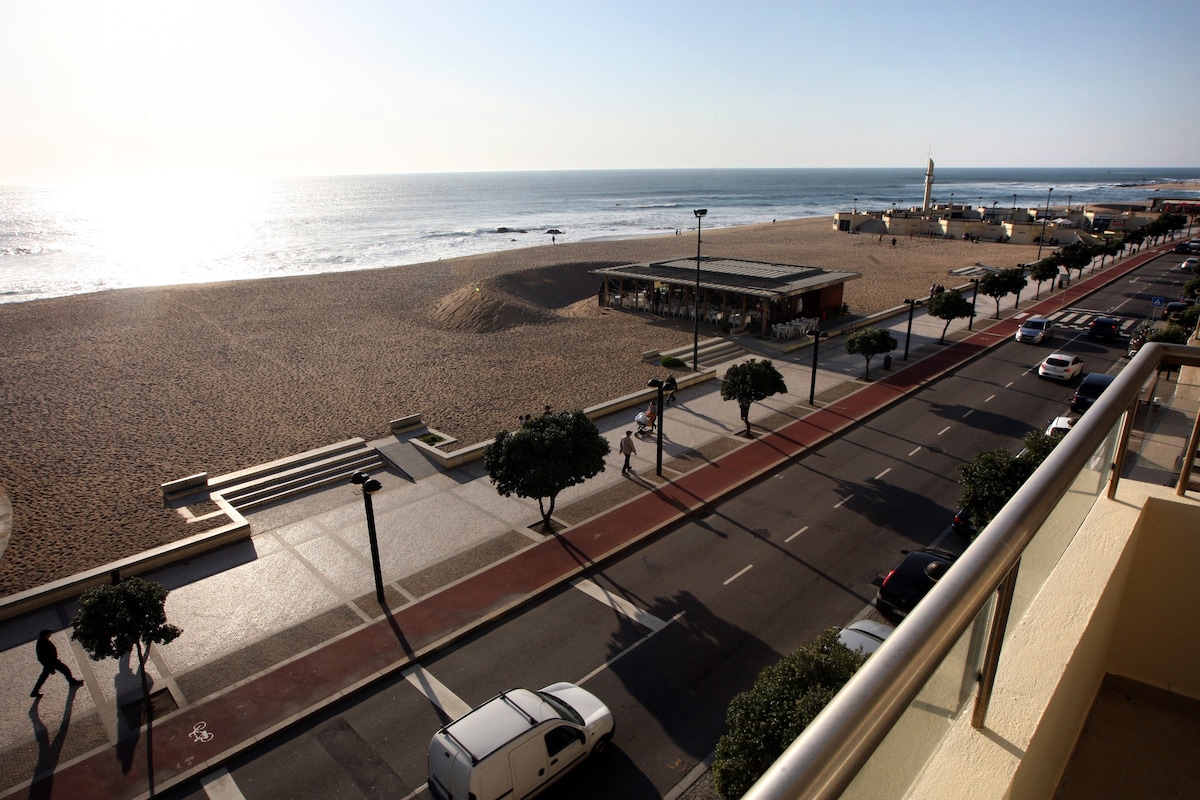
[301,87]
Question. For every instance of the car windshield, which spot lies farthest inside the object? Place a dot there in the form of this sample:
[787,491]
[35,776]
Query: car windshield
[1036,324]
[564,710]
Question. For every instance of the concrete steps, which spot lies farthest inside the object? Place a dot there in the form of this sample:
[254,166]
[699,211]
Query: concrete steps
[304,472]
[711,352]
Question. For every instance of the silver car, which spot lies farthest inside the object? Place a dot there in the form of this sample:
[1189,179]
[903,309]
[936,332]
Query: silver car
[1035,330]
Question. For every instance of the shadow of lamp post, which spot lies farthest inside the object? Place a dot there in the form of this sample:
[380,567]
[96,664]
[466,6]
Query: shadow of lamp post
[700,213]
[369,487]
[658,384]
[812,384]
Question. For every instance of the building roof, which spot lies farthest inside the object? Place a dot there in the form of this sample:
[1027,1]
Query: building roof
[755,278]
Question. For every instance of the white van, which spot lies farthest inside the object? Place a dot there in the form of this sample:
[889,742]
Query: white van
[518,743]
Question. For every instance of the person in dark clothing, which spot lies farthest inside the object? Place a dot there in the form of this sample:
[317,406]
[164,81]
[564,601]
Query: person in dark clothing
[670,387]
[47,654]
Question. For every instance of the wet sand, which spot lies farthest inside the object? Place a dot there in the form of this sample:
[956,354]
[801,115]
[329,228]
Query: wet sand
[108,395]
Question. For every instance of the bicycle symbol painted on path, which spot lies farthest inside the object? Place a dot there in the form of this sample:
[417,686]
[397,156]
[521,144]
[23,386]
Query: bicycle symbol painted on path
[200,733]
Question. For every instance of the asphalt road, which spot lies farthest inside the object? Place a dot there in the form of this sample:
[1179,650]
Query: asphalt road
[670,631]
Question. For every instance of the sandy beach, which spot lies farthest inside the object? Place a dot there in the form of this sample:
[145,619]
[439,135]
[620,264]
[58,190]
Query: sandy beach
[108,395]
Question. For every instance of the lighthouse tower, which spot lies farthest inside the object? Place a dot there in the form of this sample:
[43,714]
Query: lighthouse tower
[928,188]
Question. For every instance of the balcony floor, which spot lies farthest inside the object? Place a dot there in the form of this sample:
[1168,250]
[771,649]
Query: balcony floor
[1138,743]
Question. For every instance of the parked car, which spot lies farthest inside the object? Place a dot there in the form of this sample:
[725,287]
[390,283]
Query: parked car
[1104,328]
[1174,310]
[1189,264]
[1060,367]
[911,579]
[517,743]
[963,524]
[1060,426]
[1089,389]
[865,635]
[1035,330]
[1182,247]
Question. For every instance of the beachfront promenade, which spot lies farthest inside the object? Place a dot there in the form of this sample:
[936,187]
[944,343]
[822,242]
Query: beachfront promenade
[287,624]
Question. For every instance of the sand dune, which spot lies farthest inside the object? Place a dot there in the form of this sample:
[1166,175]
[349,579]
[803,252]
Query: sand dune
[108,395]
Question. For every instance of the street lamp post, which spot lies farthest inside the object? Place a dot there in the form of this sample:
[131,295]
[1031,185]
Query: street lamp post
[1045,219]
[658,384]
[699,212]
[974,294]
[369,487]
[812,384]
[912,305]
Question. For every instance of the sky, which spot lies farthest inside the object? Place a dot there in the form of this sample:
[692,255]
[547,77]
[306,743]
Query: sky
[339,87]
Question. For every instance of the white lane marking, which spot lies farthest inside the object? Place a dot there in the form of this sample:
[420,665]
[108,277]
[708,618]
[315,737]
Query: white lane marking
[739,574]
[943,430]
[451,704]
[885,472]
[915,450]
[623,653]
[618,604]
[843,501]
[990,398]
[219,785]
[794,535]
[969,410]
[1007,385]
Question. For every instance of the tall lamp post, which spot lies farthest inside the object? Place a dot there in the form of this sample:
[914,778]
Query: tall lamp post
[912,305]
[974,294]
[700,213]
[1045,219]
[812,384]
[658,384]
[369,487]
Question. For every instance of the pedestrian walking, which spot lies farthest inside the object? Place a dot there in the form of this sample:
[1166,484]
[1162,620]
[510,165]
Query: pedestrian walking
[670,387]
[652,414]
[627,448]
[47,654]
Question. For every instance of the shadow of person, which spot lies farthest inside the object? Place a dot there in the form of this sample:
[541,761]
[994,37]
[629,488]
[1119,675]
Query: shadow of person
[49,750]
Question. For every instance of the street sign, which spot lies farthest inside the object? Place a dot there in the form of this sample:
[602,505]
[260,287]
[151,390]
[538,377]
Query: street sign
[1158,301]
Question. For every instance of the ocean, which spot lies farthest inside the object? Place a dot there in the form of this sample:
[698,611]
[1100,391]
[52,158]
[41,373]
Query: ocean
[69,239]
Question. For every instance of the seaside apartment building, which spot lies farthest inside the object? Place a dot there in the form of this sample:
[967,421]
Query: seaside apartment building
[1057,658]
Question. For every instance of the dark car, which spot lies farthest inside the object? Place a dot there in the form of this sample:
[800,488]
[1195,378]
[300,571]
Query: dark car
[1173,311]
[1090,388]
[962,523]
[1104,328]
[912,578]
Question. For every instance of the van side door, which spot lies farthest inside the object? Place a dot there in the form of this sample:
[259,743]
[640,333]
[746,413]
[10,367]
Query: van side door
[529,766]
[564,746]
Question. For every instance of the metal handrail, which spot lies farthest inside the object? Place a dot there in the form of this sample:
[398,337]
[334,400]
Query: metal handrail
[827,756]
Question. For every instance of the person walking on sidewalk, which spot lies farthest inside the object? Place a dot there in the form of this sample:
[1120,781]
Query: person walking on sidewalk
[47,654]
[627,449]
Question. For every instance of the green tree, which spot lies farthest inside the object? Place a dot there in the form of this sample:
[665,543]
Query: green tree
[1172,334]
[1135,238]
[1192,287]
[750,382]
[1045,270]
[949,305]
[784,699]
[544,456]
[998,285]
[116,618]
[994,476]
[870,342]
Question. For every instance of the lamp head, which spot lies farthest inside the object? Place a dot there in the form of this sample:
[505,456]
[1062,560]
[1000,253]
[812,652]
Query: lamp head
[372,486]
[655,382]
[359,478]
[701,212]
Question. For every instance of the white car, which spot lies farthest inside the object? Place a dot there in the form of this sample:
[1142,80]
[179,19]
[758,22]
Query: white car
[865,635]
[1189,264]
[1059,426]
[1061,367]
[1035,330]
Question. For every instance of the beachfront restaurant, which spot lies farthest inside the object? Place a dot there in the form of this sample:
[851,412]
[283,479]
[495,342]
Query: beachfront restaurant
[772,300]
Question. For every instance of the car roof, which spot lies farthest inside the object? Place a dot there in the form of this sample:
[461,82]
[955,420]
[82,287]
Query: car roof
[1113,320]
[490,726]
[1098,379]
[866,634]
[1038,320]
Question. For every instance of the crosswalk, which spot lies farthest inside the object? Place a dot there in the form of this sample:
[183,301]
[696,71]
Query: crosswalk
[1078,319]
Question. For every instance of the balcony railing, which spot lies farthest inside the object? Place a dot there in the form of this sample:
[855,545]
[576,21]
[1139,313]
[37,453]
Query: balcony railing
[876,735]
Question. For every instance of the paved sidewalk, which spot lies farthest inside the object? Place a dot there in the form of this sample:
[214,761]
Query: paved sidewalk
[282,626]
